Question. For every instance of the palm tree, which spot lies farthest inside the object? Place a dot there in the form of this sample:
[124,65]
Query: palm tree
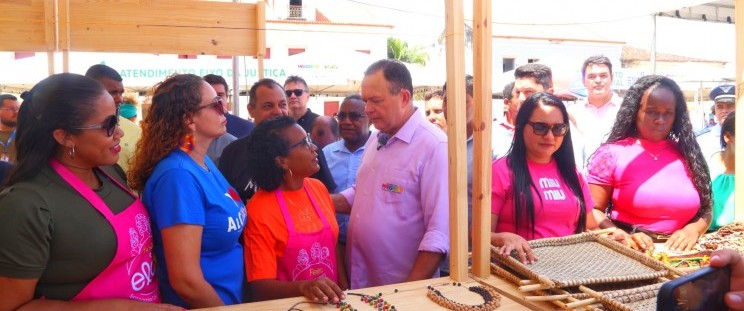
[399,49]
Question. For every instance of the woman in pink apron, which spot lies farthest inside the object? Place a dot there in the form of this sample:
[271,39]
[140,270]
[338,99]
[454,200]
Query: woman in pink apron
[292,234]
[72,233]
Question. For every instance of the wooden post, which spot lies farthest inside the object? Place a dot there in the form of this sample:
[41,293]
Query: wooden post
[455,42]
[261,37]
[51,32]
[63,7]
[739,188]
[481,231]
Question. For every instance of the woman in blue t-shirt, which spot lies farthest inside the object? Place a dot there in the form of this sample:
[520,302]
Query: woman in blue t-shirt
[197,217]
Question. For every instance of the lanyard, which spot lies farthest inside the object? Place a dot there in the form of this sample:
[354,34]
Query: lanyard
[6,144]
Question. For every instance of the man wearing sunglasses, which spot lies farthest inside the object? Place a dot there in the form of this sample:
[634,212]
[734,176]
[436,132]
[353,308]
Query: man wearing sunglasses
[297,97]
[345,155]
[9,106]
[113,84]
[266,100]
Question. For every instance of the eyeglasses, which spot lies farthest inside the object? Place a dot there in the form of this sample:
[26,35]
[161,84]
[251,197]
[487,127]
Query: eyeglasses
[307,142]
[109,125]
[13,109]
[297,92]
[353,116]
[541,128]
[216,104]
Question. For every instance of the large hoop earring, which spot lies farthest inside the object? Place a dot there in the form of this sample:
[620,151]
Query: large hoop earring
[71,152]
[187,143]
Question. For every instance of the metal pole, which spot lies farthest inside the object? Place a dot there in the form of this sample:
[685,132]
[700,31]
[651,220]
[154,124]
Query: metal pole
[653,48]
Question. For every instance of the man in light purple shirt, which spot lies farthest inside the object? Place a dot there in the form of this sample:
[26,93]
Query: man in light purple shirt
[399,226]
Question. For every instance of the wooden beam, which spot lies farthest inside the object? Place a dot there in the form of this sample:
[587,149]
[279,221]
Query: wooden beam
[63,8]
[163,26]
[261,37]
[481,231]
[739,127]
[24,25]
[456,130]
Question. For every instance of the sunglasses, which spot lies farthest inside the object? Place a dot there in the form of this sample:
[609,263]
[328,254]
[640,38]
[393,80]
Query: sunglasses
[297,92]
[353,116]
[13,109]
[542,128]
[307,142]
[216,104]
[109,125]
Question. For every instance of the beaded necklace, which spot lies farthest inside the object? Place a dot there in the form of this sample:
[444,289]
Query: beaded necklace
[376,302]
[491,299]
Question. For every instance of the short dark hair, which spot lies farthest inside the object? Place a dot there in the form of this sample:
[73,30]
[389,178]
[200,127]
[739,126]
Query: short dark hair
[265,82]
[266,142]
[333,126]
[354,97]
[215,79]
[296,79]
[541,73]
[508,88]
[728,127]
[596,60]
[4,97]
[394,72]
[432,94]
[468,85]
[101,71]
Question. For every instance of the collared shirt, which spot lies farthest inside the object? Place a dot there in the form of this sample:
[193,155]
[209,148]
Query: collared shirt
[501,138]
[592,126]
[343,164]
[307,119]
[400,204]
[710,143]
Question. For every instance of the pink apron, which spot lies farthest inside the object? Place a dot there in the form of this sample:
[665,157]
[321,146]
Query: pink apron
[308,255]
[130,275]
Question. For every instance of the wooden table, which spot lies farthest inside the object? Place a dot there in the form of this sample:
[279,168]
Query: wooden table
[410,296]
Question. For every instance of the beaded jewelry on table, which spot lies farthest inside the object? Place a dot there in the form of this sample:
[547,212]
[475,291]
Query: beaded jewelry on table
[491,299]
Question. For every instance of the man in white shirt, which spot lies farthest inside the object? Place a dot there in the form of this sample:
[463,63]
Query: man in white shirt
[709,139]
[594,117]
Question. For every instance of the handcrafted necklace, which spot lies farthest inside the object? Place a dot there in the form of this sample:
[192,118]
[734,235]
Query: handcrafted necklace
[491,299]
[375,302]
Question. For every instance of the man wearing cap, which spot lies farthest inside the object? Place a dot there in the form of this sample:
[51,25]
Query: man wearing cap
[709,139]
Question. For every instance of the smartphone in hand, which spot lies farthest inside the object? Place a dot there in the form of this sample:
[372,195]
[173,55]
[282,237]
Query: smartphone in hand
[701,290]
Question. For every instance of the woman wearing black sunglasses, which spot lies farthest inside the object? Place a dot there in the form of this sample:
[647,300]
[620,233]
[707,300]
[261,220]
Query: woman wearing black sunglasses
[198,218]
[536,191]
[292,234]
[73,235]
[651,176]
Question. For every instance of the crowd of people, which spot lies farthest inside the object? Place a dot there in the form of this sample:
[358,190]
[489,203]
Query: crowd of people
[194,207]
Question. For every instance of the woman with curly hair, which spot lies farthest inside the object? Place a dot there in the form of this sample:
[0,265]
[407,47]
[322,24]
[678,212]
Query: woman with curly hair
[541,163]
[198,218]
[71,229]
[650,176]
[292,234]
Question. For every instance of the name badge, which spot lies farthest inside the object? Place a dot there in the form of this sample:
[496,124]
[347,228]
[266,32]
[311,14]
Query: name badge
[392,188]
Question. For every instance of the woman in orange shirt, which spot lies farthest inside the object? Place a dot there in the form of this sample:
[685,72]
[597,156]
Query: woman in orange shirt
[292,234]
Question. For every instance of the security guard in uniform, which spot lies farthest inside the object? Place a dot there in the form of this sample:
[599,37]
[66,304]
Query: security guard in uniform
[709,139]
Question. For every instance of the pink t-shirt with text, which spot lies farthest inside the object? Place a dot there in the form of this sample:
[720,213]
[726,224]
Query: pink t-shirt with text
[558,213]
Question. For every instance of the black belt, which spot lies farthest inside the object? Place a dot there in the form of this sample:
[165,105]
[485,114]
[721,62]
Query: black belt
[630,229]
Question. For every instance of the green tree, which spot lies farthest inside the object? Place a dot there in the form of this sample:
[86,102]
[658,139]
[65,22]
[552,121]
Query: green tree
[399,49]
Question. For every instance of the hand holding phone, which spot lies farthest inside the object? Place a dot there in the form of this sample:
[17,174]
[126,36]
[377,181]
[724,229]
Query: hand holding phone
[701,290]
[726,257]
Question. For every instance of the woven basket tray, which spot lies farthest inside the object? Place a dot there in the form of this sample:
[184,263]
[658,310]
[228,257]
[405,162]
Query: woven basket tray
[637,299]
[583,259]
